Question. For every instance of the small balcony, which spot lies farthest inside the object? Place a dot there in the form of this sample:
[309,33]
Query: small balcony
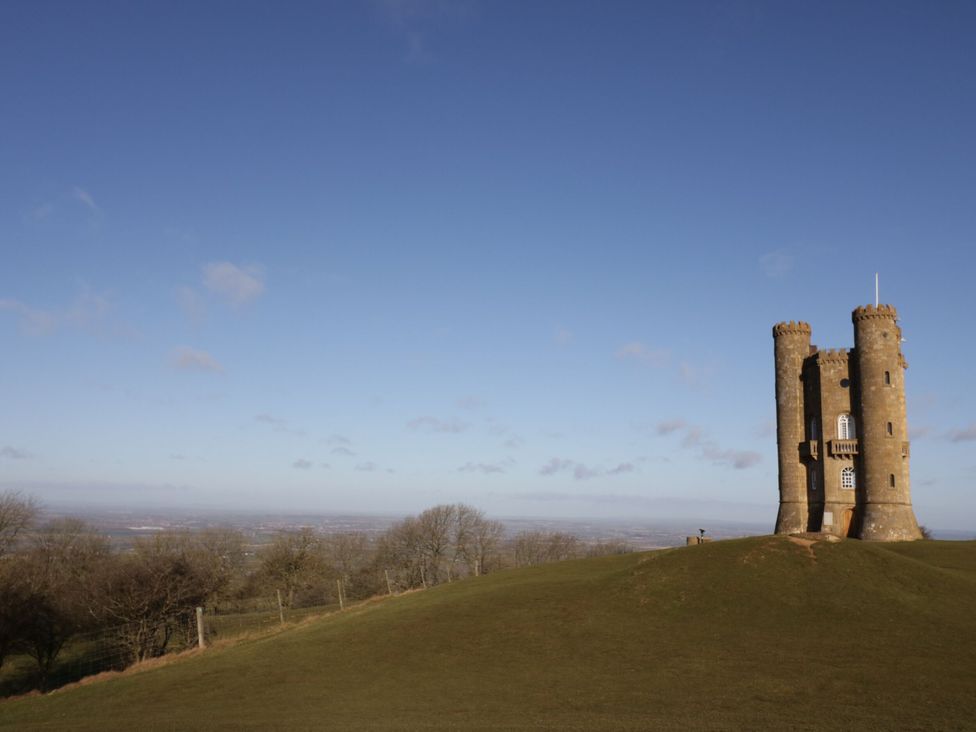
[905,452]
[810,449]
[843,448]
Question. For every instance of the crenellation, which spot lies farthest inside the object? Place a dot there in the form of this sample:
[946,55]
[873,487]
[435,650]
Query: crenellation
[792,327]
[871,311]
[833,355]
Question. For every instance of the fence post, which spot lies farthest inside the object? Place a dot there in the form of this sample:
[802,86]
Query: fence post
[389,587]
[281,609]
[200,627]
[342,604]
[477,567]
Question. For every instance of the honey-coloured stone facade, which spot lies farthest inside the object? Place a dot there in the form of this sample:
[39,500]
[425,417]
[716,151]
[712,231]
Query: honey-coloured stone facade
[842,432]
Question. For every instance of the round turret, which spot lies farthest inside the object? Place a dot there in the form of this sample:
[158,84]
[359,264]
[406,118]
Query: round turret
[886,513]
[791,345]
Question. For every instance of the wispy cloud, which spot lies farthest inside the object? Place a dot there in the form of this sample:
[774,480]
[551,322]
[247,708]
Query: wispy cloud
[87,313]
[191,359]
[485,468]
[191,303]
[766,428]
[42,211]
[497,428]
[433,424]
[342,450]
[416,21]
[236,285]
[89,308]
[268,419]
[337,440]
[302,464]
[80,194]
[671,425]
[581,471]
[469,402]
[563,337]
[694,376]
[777,263]
[637,351]
[12,453]
[367,467]
[556,465]
[694,438]
[32,320]
[279,424]
[966,434]
[513,442]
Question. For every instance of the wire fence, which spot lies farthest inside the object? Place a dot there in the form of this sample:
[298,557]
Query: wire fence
[117,647]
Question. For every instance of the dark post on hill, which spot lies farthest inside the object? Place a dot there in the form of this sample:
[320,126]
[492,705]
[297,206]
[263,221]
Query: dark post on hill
[842,432]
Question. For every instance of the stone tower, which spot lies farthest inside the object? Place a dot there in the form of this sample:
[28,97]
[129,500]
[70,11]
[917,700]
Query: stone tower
[841,432]
[791,344]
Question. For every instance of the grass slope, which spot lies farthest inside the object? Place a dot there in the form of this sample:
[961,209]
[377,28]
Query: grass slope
[753,633]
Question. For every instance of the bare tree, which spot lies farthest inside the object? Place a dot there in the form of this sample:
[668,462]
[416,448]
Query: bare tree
[57,582]
[400,548]
[539,547]
[15,609]
[295,563]
[17,514]
[146,594]
[476,539]
[436,528]
[609,547]
[443,542]
[351,555]
[219,557]
[486,545]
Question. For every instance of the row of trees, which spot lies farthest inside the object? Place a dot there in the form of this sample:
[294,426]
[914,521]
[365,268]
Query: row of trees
[62,579]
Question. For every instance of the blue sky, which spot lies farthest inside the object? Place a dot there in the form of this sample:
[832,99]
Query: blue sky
[376,256]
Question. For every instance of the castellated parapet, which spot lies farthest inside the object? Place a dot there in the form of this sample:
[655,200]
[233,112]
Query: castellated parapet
[842,433]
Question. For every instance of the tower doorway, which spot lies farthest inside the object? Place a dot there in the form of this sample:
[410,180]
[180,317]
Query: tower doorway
[848,520]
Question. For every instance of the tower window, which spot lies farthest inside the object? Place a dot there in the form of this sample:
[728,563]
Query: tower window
[887,378]
[845,427]
[890,429]
[813,480]
[813,428]
[847,479]
[891,480]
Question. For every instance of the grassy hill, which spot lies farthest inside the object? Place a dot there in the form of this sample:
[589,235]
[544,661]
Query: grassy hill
[752,633]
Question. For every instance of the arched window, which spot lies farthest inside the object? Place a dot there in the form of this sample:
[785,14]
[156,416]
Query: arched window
[891,480]
[813,479]
[890,429]
[813,429]
[887,378]
[847,479]
[845,427]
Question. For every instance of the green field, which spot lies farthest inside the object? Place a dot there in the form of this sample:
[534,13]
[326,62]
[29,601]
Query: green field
[758,633]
